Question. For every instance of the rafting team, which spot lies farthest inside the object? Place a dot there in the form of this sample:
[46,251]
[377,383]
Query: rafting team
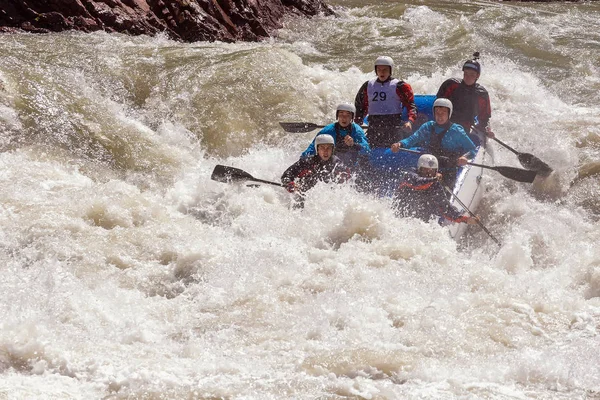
[459,106]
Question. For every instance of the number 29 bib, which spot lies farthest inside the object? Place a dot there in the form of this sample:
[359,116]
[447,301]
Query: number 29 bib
[383,98]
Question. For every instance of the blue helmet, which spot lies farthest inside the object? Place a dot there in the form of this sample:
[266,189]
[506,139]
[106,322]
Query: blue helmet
[473,63]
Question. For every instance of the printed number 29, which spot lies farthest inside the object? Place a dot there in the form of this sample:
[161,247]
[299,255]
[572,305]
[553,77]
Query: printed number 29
[379,96]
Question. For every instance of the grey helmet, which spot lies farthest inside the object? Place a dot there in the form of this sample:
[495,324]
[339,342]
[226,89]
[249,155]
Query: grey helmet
[345,107]
[384,60]
[324,139]
[427,161]
[442,102]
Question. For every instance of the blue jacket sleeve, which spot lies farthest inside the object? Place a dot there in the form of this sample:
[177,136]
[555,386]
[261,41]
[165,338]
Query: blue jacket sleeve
[422,135]
[360,138]
[310,150]
[464,142]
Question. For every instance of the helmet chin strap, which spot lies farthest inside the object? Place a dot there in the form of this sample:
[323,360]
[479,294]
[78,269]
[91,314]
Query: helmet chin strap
[427,172]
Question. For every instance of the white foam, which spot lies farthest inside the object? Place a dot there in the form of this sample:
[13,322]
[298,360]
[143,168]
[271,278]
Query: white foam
[112,266]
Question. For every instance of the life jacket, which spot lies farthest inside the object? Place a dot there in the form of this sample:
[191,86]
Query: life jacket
[465,101]
[340,145]
[383,97]
[446,158]
[423,198]
[316,170]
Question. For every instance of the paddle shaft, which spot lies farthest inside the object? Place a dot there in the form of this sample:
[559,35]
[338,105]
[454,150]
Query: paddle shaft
[520,175]
[365,127]
[267,182]
[507,146]
[447,189]
[419,152]
[496,139]
[224,173]
[527,160]
[302,127]
[516,174]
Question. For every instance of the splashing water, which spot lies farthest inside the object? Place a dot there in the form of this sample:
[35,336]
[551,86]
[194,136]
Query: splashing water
[128,273]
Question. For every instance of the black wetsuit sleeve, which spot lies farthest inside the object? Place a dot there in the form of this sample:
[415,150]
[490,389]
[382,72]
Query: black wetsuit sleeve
[361,102]
[295,170]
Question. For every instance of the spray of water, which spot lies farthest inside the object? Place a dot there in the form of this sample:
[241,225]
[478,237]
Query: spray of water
[128,273]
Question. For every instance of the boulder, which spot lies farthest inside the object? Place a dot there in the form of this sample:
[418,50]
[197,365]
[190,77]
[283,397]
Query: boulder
[186,20]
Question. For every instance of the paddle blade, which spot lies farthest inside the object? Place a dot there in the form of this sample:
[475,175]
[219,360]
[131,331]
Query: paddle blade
[533,163]
[223,173]
[529,161]
[299,127]
[517,174]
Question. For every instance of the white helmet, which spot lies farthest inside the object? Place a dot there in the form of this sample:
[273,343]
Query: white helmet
[384,60]
[345,107]
[324,139]
[442,102]
[427,161]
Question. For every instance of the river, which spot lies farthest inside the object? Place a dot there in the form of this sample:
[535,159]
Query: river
[127,273]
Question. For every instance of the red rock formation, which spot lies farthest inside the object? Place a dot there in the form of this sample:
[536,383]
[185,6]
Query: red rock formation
[187,20]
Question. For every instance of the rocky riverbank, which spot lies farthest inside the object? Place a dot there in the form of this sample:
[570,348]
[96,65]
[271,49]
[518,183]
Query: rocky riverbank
[186,20]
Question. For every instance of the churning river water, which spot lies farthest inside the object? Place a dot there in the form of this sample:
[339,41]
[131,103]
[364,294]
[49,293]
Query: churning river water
[127,273]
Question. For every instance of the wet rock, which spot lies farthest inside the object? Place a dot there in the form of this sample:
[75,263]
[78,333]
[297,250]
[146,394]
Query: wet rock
[187,20]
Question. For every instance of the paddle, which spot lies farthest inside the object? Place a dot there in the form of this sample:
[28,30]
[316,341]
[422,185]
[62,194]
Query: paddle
[527,160]
[223,173]
[516,174]
[302,127]
[447,189]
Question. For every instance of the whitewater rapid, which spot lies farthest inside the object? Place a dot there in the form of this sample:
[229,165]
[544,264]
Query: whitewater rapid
[127,273]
